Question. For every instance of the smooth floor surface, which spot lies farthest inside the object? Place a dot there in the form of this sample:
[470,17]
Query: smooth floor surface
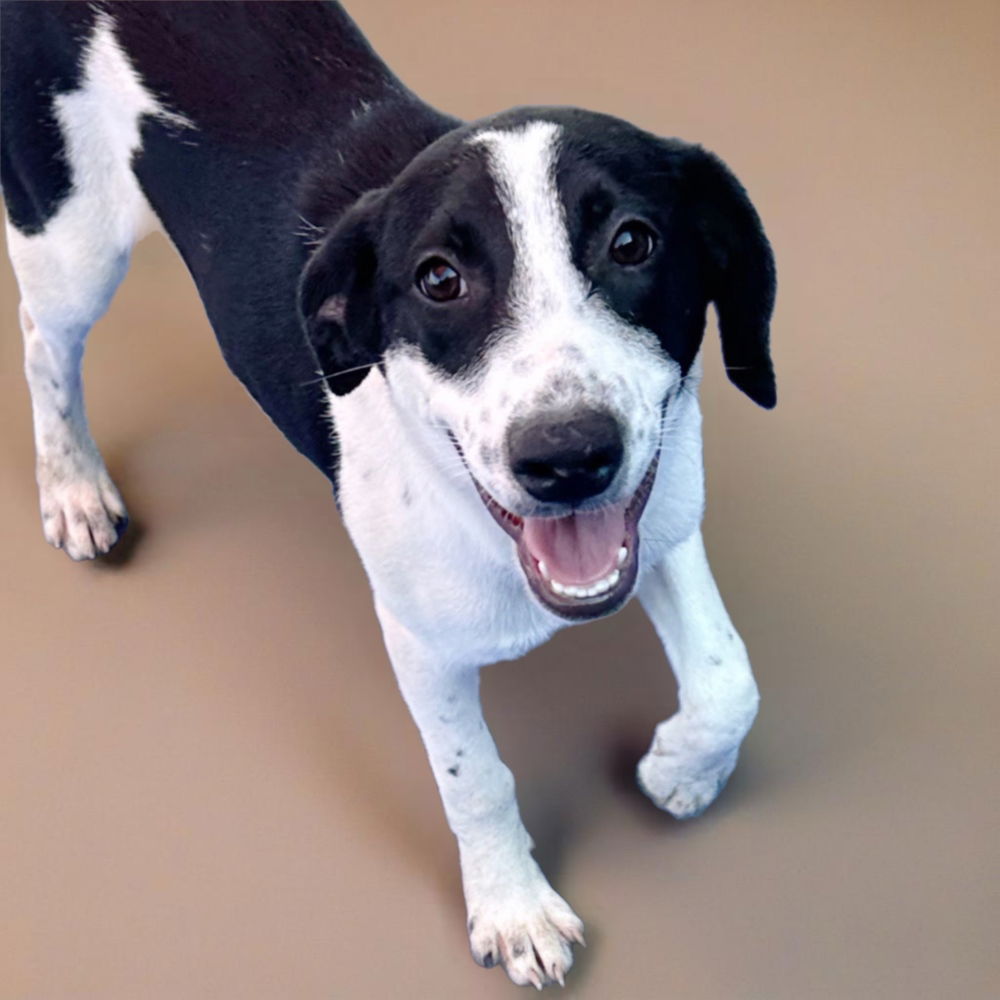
[209,786]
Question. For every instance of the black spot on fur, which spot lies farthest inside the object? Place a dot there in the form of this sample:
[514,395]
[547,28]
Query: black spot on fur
[453,771]
[41,48]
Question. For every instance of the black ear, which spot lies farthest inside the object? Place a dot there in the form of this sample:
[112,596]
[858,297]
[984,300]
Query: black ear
[337,298]
[741,273]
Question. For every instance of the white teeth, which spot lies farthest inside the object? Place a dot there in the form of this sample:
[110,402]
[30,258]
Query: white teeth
[572,590]
[622,555]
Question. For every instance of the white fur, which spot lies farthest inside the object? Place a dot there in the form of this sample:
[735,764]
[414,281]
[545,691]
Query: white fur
[450,593]
[565,349]
[67,275]
[694,752]
[514,915]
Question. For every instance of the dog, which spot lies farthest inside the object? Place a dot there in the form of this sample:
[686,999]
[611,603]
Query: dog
[486,335]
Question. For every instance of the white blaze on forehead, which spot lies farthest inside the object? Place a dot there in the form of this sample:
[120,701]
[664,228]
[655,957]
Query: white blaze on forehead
[522,162]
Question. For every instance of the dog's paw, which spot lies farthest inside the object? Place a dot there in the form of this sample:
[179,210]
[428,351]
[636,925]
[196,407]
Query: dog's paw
[82,510]
[681,782]
[530,929]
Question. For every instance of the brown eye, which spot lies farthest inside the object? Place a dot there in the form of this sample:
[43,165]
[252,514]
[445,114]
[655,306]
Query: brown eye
[439,281]
[632,244]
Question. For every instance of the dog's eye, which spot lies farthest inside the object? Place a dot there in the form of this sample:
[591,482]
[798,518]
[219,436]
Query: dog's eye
[633,243]
[439,281]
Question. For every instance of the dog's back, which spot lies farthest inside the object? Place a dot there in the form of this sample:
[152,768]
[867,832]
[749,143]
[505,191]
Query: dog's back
[242,130]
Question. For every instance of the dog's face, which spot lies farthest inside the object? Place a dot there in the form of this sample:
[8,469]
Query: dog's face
[535,287]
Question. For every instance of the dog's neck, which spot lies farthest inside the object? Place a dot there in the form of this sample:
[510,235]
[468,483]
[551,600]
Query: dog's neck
[369,151]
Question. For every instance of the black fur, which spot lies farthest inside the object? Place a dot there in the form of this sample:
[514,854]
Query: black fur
[283,145]
[710,248]
[40,50]
[303,138]
[337,295]
[296,116]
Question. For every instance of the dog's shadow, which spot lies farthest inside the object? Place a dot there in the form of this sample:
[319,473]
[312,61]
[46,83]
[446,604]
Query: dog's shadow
[123,552]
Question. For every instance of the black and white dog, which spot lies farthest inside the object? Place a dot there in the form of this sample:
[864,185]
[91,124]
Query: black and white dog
[505,317]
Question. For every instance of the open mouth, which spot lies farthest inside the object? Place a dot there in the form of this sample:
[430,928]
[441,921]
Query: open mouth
[583,564]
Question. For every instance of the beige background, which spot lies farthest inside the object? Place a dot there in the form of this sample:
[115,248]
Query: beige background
[209,786]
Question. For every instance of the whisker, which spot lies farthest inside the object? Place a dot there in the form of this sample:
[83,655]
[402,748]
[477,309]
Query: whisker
[310,225]
[323,376]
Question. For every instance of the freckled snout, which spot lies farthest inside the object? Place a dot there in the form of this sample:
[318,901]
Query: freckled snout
[568,457]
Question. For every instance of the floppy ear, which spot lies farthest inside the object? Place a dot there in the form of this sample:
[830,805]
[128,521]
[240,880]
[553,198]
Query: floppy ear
[337,298]
[741,273]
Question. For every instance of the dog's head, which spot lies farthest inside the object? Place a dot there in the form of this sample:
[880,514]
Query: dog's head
[535,286]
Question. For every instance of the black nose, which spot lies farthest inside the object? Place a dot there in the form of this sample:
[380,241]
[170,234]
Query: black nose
[566,459]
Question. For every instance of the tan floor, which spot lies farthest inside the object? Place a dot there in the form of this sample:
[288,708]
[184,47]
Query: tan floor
[209,786]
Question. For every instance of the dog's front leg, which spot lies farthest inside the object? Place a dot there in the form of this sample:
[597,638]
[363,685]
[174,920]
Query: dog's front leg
[514,915]
[694,752]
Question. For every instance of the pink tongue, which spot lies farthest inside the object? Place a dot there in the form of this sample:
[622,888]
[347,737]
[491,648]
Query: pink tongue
[579,548]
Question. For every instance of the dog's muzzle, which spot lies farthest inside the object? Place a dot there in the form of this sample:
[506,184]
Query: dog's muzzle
[583,564]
